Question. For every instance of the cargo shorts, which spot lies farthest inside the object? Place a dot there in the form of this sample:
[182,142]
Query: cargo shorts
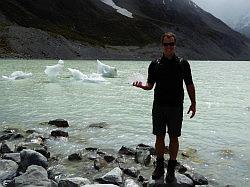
[167,119]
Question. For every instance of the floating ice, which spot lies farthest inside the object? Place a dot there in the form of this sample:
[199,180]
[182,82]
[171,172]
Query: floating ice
[17,75]
[77,75]
[105,70]
[53,71]
[93,78]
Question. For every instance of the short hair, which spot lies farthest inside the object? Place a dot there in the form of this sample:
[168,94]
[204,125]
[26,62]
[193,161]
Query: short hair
[168,35]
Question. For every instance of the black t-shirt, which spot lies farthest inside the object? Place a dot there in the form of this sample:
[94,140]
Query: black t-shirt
[168,75]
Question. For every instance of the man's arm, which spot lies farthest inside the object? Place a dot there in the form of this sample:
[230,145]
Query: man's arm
[139,84]
[191,94]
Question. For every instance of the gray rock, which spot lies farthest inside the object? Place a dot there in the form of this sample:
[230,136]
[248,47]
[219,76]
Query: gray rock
[127,151]
[59,123]
[59,133]
[197,178]
[34,176]
[99,125]
[100,163]
[130,183]
[12,156]
[8,169]
[75,156]
[112,177]
[132,171]
[30,157]
[4,148]
[73,182]
[182,179]
[143,157]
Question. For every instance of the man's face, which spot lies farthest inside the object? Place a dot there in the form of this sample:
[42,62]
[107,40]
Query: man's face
[168,46]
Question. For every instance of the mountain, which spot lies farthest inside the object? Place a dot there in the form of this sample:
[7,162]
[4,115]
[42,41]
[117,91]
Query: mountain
[118,29]
[234,13]
[243,24]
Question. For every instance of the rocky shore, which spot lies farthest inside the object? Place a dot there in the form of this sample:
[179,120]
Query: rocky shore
[26,161]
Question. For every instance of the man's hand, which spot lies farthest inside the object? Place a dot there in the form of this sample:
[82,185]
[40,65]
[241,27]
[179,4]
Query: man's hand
[139,84]
[192,109]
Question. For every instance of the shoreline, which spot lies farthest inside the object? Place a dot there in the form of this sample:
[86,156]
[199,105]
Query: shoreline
[130,165]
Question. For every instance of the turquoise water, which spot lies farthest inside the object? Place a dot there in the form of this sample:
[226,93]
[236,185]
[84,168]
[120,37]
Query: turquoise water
[219,132]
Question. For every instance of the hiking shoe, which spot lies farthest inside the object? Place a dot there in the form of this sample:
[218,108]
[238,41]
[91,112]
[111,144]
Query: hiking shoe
[170,177]
[159,169]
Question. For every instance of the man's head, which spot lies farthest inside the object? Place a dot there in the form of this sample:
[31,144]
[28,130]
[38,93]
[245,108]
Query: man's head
[168,41]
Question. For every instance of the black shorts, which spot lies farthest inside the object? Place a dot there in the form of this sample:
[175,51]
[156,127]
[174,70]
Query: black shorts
[170,117]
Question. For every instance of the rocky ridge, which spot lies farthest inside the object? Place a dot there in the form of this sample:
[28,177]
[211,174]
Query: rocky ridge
[91,29]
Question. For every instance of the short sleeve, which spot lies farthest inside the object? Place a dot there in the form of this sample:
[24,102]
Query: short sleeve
[187,73]
[151,72]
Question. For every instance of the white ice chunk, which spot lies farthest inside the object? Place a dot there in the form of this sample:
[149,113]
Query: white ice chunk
[92,78]
[53,71]
[17,75]
[106,70]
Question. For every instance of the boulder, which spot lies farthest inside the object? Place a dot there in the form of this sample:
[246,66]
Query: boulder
[59,123]
[34,176]
[8,169]
[73,182]
[30,157]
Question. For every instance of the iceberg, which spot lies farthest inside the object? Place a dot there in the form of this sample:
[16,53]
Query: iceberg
[16,75]
[92,78]
[53,71]
[105,70]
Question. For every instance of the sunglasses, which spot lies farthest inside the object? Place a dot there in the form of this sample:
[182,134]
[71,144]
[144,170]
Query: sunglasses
[169,44]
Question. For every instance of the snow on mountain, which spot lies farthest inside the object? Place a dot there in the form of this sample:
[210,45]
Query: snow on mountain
[120,10]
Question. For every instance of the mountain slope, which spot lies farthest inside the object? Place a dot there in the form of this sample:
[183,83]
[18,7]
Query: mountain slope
[95,23]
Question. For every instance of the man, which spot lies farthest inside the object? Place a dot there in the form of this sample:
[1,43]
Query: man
[168,73]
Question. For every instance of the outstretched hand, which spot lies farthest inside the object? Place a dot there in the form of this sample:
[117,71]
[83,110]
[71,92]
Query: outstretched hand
[192,109]
[137,84]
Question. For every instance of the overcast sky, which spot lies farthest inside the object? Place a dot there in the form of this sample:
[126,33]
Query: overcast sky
[226,10]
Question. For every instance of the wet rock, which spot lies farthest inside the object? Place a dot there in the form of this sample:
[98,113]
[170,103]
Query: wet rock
[132,172]
[99,125]
[112,177]
[57,172]
[6,136]
[43,151]
[181,169]
[30,157]
[197,178]
[4,148]
[17,136]
[146,147]
[8,169]
[73,182]
[35,138]
[34,176]
[75,156]
[109,158]
[12,156]
[59,133]
[59,123]
[182,179]
[100,163]
[143,157]
[130,183]
[127,151]
[30,131]
[189,153]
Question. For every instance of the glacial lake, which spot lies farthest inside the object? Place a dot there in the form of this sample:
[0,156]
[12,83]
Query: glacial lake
[218,136]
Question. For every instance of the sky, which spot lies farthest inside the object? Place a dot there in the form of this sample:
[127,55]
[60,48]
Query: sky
[228,11]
